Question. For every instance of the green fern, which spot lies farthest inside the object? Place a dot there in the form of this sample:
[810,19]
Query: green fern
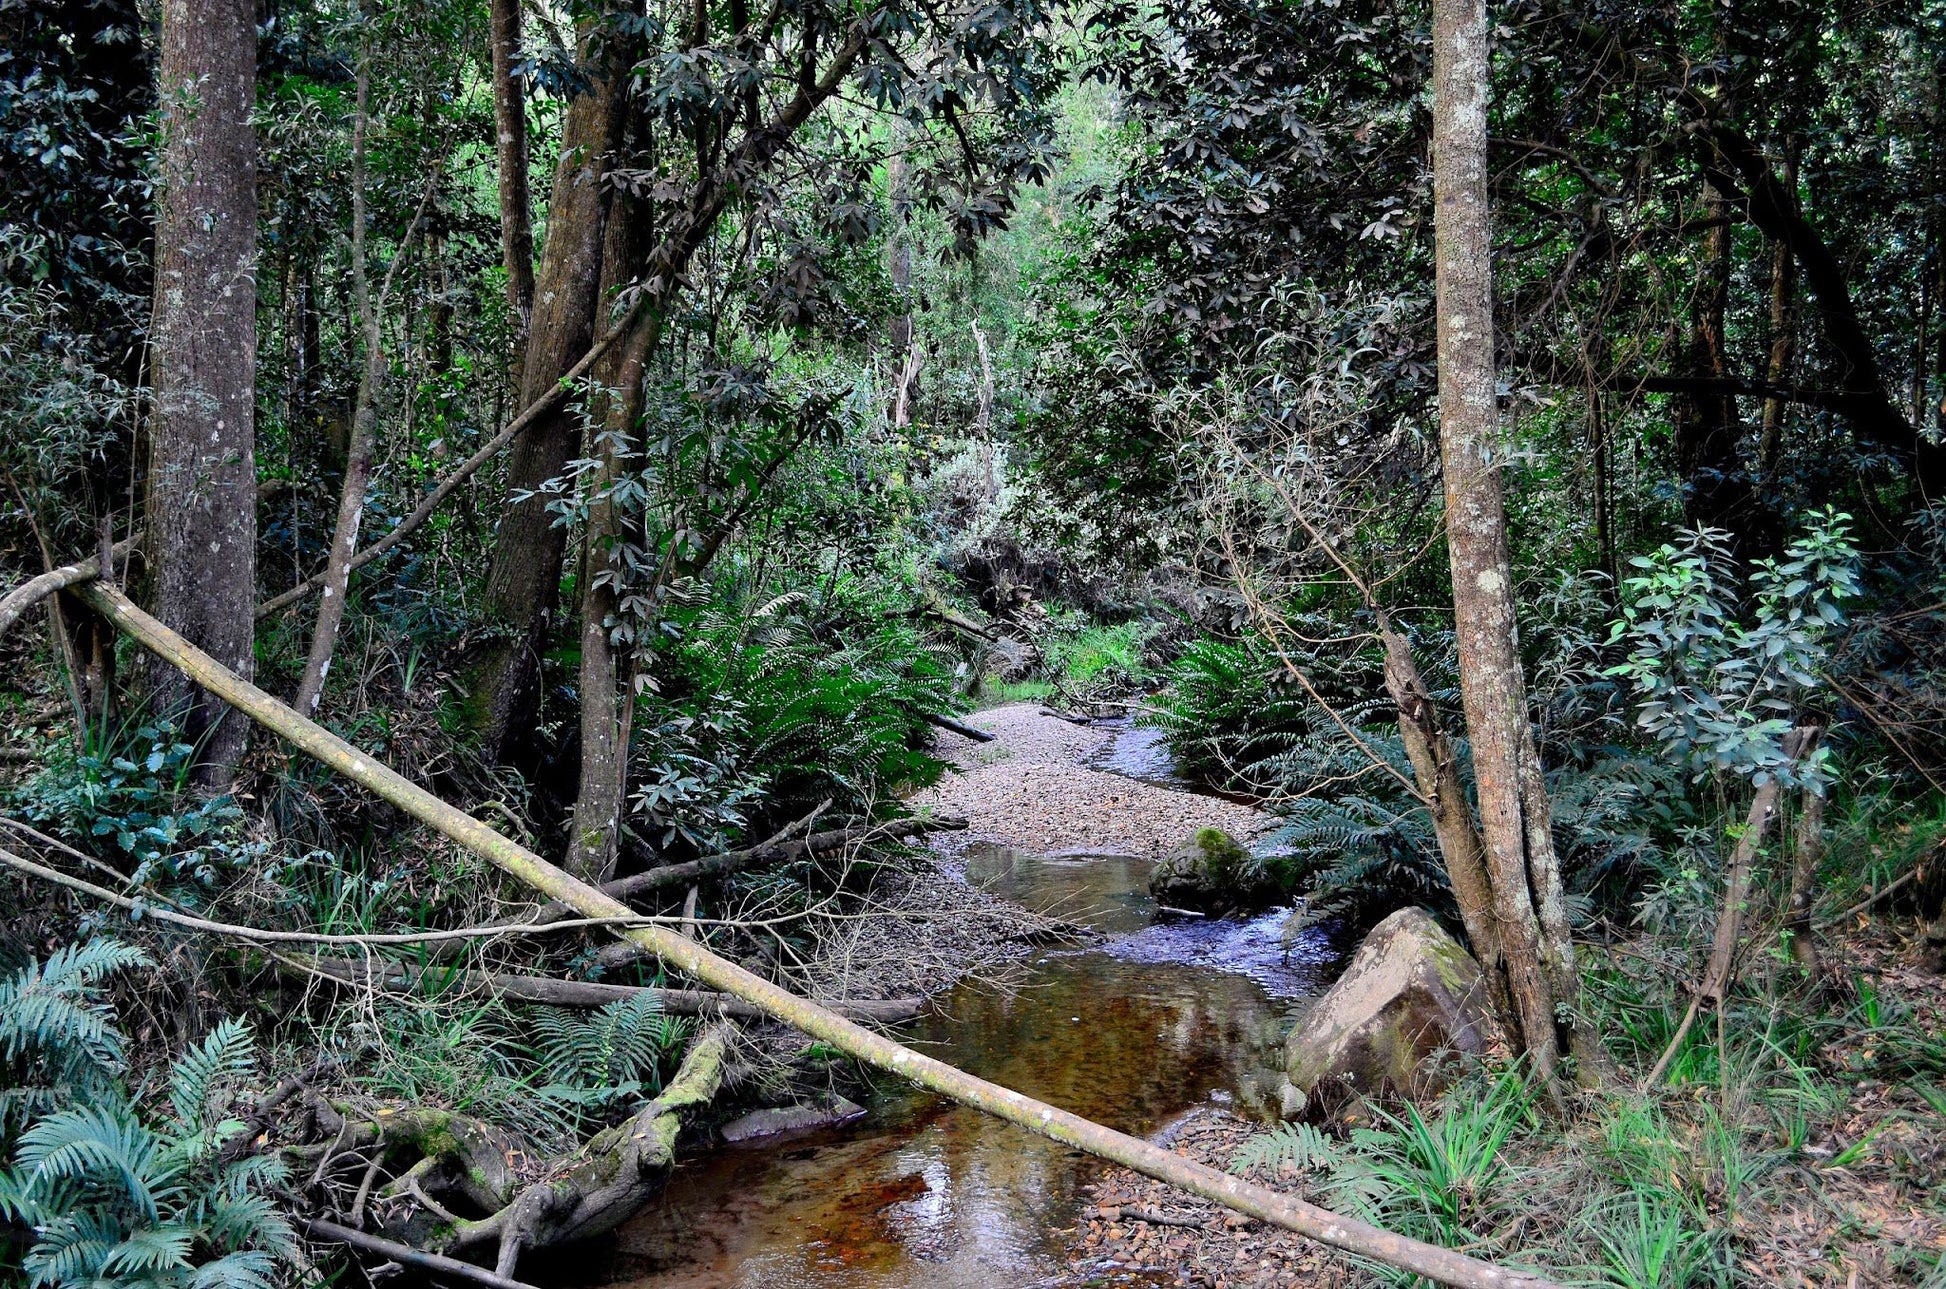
[58,1040]
[114,1199]
[624,1043]
[1300,1146]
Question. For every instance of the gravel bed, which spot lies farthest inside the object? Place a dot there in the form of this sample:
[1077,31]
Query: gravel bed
[1027,789]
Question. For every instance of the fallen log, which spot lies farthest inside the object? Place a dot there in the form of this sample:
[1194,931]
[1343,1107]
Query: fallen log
[586,993]
[960,728]
[1349,1234]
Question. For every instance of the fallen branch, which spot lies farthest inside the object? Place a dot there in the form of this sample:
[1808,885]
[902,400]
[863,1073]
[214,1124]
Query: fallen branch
[35,589]
[818,843]
[1867,902]
[407,1255]
[263,935]
[585,993]
[957,727]
[1340,1232]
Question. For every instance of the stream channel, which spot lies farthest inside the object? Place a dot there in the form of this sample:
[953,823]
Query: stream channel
[1132,1030]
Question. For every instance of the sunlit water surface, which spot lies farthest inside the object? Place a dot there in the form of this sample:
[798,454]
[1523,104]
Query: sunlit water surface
[925,1194]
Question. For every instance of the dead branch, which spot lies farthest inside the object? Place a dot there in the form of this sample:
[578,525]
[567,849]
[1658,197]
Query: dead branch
[407,1255]
[1340,1232]
[952,726]
[584,993]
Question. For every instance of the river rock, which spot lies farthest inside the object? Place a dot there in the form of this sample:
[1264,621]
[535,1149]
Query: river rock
[791,1118]
[1209,873]
[1410,992]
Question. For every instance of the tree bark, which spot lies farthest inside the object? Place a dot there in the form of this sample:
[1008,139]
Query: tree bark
[1513,806]
[524,580]
[202,469]
[510,152]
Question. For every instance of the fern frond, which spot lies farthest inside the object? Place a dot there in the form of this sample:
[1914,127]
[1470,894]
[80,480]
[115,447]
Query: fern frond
[1299,1145]
[227,1054]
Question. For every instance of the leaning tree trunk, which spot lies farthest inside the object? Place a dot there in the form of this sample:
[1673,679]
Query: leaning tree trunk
[201,499]
[1512,804]
[524,579]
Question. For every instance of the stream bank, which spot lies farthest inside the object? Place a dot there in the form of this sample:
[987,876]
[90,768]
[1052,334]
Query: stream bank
[1143,1028]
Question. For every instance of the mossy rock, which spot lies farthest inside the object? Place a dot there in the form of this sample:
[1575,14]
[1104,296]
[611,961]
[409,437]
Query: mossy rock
[1210,873]
[1410,997]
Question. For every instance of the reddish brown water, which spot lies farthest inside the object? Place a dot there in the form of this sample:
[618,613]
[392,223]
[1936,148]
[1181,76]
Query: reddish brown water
[924,1193]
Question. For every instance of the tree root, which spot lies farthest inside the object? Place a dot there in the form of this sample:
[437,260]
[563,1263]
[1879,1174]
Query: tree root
[531,1204]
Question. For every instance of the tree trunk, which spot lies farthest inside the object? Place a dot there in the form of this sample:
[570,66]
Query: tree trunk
[1783,335]
[1436,767]
[510,151]
[604,697]
[1494,694]
[525,577]
[364,423]
[1716,489]
[1804,887]
[201,501]
[901,350]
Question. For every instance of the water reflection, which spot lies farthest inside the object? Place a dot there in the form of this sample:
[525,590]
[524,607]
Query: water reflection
[1131,1032]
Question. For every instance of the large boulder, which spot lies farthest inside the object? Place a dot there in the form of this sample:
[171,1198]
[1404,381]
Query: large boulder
[1209,873]
[1410,994]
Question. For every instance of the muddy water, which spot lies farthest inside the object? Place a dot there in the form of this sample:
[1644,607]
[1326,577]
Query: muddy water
[1131,1031]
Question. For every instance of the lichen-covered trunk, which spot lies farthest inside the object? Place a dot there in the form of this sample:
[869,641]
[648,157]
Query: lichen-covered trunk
[524,580]
[201,502]
[1492,689]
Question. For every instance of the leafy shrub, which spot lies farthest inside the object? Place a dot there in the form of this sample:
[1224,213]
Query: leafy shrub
[126,795]
[830,696]
[1720,689]
[112,1195]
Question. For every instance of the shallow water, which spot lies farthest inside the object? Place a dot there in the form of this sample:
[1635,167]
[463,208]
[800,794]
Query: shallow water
[1131,1031]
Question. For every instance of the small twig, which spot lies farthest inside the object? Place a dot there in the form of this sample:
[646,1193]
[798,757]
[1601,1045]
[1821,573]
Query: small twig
[365,1189]
[1155,1217]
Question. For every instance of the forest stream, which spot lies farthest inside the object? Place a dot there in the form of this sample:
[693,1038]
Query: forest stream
[1134,1029]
